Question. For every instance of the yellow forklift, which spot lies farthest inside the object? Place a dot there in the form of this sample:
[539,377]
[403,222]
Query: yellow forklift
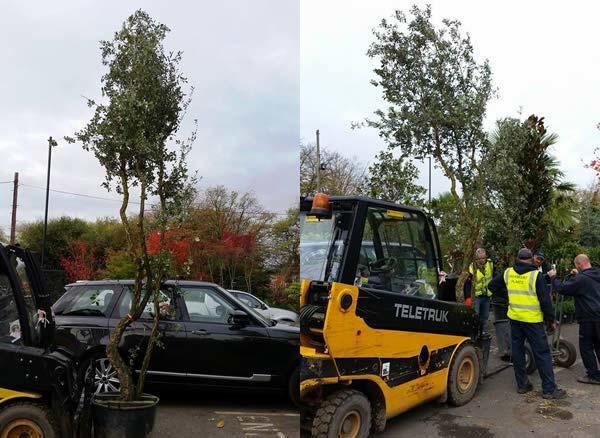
[381,331]
[39,397]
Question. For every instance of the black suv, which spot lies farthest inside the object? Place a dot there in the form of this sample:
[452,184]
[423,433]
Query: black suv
[201,345]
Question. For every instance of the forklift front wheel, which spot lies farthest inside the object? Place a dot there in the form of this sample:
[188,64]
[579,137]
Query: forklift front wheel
[26,420]
[344,414]
[463,376]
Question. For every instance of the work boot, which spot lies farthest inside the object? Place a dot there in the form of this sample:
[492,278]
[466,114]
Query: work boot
[525,389]
[588,379]
[557,394]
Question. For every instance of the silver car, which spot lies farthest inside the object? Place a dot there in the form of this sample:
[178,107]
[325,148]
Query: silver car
[280,315]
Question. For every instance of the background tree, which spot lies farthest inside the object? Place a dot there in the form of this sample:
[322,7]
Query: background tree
[436,94]
[393,179]
[529,203]
[130,133]
[589,206]
[62,233]
[341,175]
[230,231]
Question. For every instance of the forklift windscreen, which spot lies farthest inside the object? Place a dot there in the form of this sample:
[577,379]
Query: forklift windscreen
[391,250]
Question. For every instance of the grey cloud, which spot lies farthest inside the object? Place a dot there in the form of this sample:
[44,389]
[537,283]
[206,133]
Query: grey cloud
[241,57]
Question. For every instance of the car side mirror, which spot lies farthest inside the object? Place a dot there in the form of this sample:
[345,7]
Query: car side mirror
[239,318]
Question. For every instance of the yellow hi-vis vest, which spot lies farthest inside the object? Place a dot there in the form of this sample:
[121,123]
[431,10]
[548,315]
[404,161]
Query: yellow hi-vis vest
[523,303]
[481,279]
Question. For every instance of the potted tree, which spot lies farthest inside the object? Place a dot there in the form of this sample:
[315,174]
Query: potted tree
[131,133]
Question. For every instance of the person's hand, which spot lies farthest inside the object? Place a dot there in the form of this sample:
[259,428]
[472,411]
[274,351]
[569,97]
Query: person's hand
[552,325]
[552,273]
[574,271]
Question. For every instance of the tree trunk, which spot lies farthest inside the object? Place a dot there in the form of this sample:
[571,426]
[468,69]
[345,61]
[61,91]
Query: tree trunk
[123,371]
[151,341]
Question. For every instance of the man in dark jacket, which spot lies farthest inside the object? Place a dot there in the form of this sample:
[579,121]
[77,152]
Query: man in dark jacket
[529,306]
[585,287]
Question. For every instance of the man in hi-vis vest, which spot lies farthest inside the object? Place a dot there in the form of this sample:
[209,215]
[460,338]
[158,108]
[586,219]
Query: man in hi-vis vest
[480,275]
[529,306]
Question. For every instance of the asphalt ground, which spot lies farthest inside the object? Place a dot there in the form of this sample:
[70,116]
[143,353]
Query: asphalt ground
[232,415]
[496,411]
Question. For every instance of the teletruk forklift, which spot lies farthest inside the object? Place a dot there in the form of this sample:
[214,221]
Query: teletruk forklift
[38,391]
[380,332]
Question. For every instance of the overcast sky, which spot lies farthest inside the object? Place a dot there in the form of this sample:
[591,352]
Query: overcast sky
[242,58]
[544,57]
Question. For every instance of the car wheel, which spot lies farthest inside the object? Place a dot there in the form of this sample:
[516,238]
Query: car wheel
[103,374]
[27,420]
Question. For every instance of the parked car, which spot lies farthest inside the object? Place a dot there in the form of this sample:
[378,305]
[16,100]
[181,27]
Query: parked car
[209,338]
[274,313]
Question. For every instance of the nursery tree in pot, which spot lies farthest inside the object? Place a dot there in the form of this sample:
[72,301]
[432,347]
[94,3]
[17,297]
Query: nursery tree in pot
[132,134]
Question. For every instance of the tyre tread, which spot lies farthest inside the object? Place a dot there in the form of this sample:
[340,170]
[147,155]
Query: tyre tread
[45,411]
[323,416]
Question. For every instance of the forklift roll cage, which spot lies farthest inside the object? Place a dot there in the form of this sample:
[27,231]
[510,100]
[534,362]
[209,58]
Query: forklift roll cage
[359,206]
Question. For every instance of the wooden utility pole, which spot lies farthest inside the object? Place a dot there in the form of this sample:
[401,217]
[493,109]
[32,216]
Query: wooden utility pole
[13,220]
[318,164]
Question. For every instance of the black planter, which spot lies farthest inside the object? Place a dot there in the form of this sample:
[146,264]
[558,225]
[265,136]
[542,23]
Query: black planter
[117,419]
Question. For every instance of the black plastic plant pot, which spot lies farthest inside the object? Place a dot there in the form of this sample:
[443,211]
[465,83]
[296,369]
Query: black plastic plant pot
[114,418]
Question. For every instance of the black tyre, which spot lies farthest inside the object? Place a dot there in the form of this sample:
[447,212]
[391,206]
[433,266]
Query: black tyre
[103,374]
[27,420]
[294,387]
[530,365]
[344,414]
[463,376]
[566,354]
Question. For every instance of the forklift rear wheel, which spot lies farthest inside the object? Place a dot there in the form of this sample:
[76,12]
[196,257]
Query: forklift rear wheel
[566,354]
[26,420]
[463,376]
[344,414]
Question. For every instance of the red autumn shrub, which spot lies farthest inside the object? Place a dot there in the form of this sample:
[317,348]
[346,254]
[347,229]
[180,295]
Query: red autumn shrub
[82,263]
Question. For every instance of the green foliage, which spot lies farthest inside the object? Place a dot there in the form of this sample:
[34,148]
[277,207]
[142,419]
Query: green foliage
[447,220]
[393,179]
[132,135]
[436,95]
[285,254]
[62,233]
[589,206]
[119,266]
[529,204]
[293,296]
[568,306]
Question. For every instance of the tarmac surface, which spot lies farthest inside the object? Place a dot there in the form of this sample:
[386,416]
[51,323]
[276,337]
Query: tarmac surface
[496,411]
[232,415]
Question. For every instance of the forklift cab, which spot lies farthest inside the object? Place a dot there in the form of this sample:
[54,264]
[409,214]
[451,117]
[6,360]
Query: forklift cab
[379,333]
[37,383]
